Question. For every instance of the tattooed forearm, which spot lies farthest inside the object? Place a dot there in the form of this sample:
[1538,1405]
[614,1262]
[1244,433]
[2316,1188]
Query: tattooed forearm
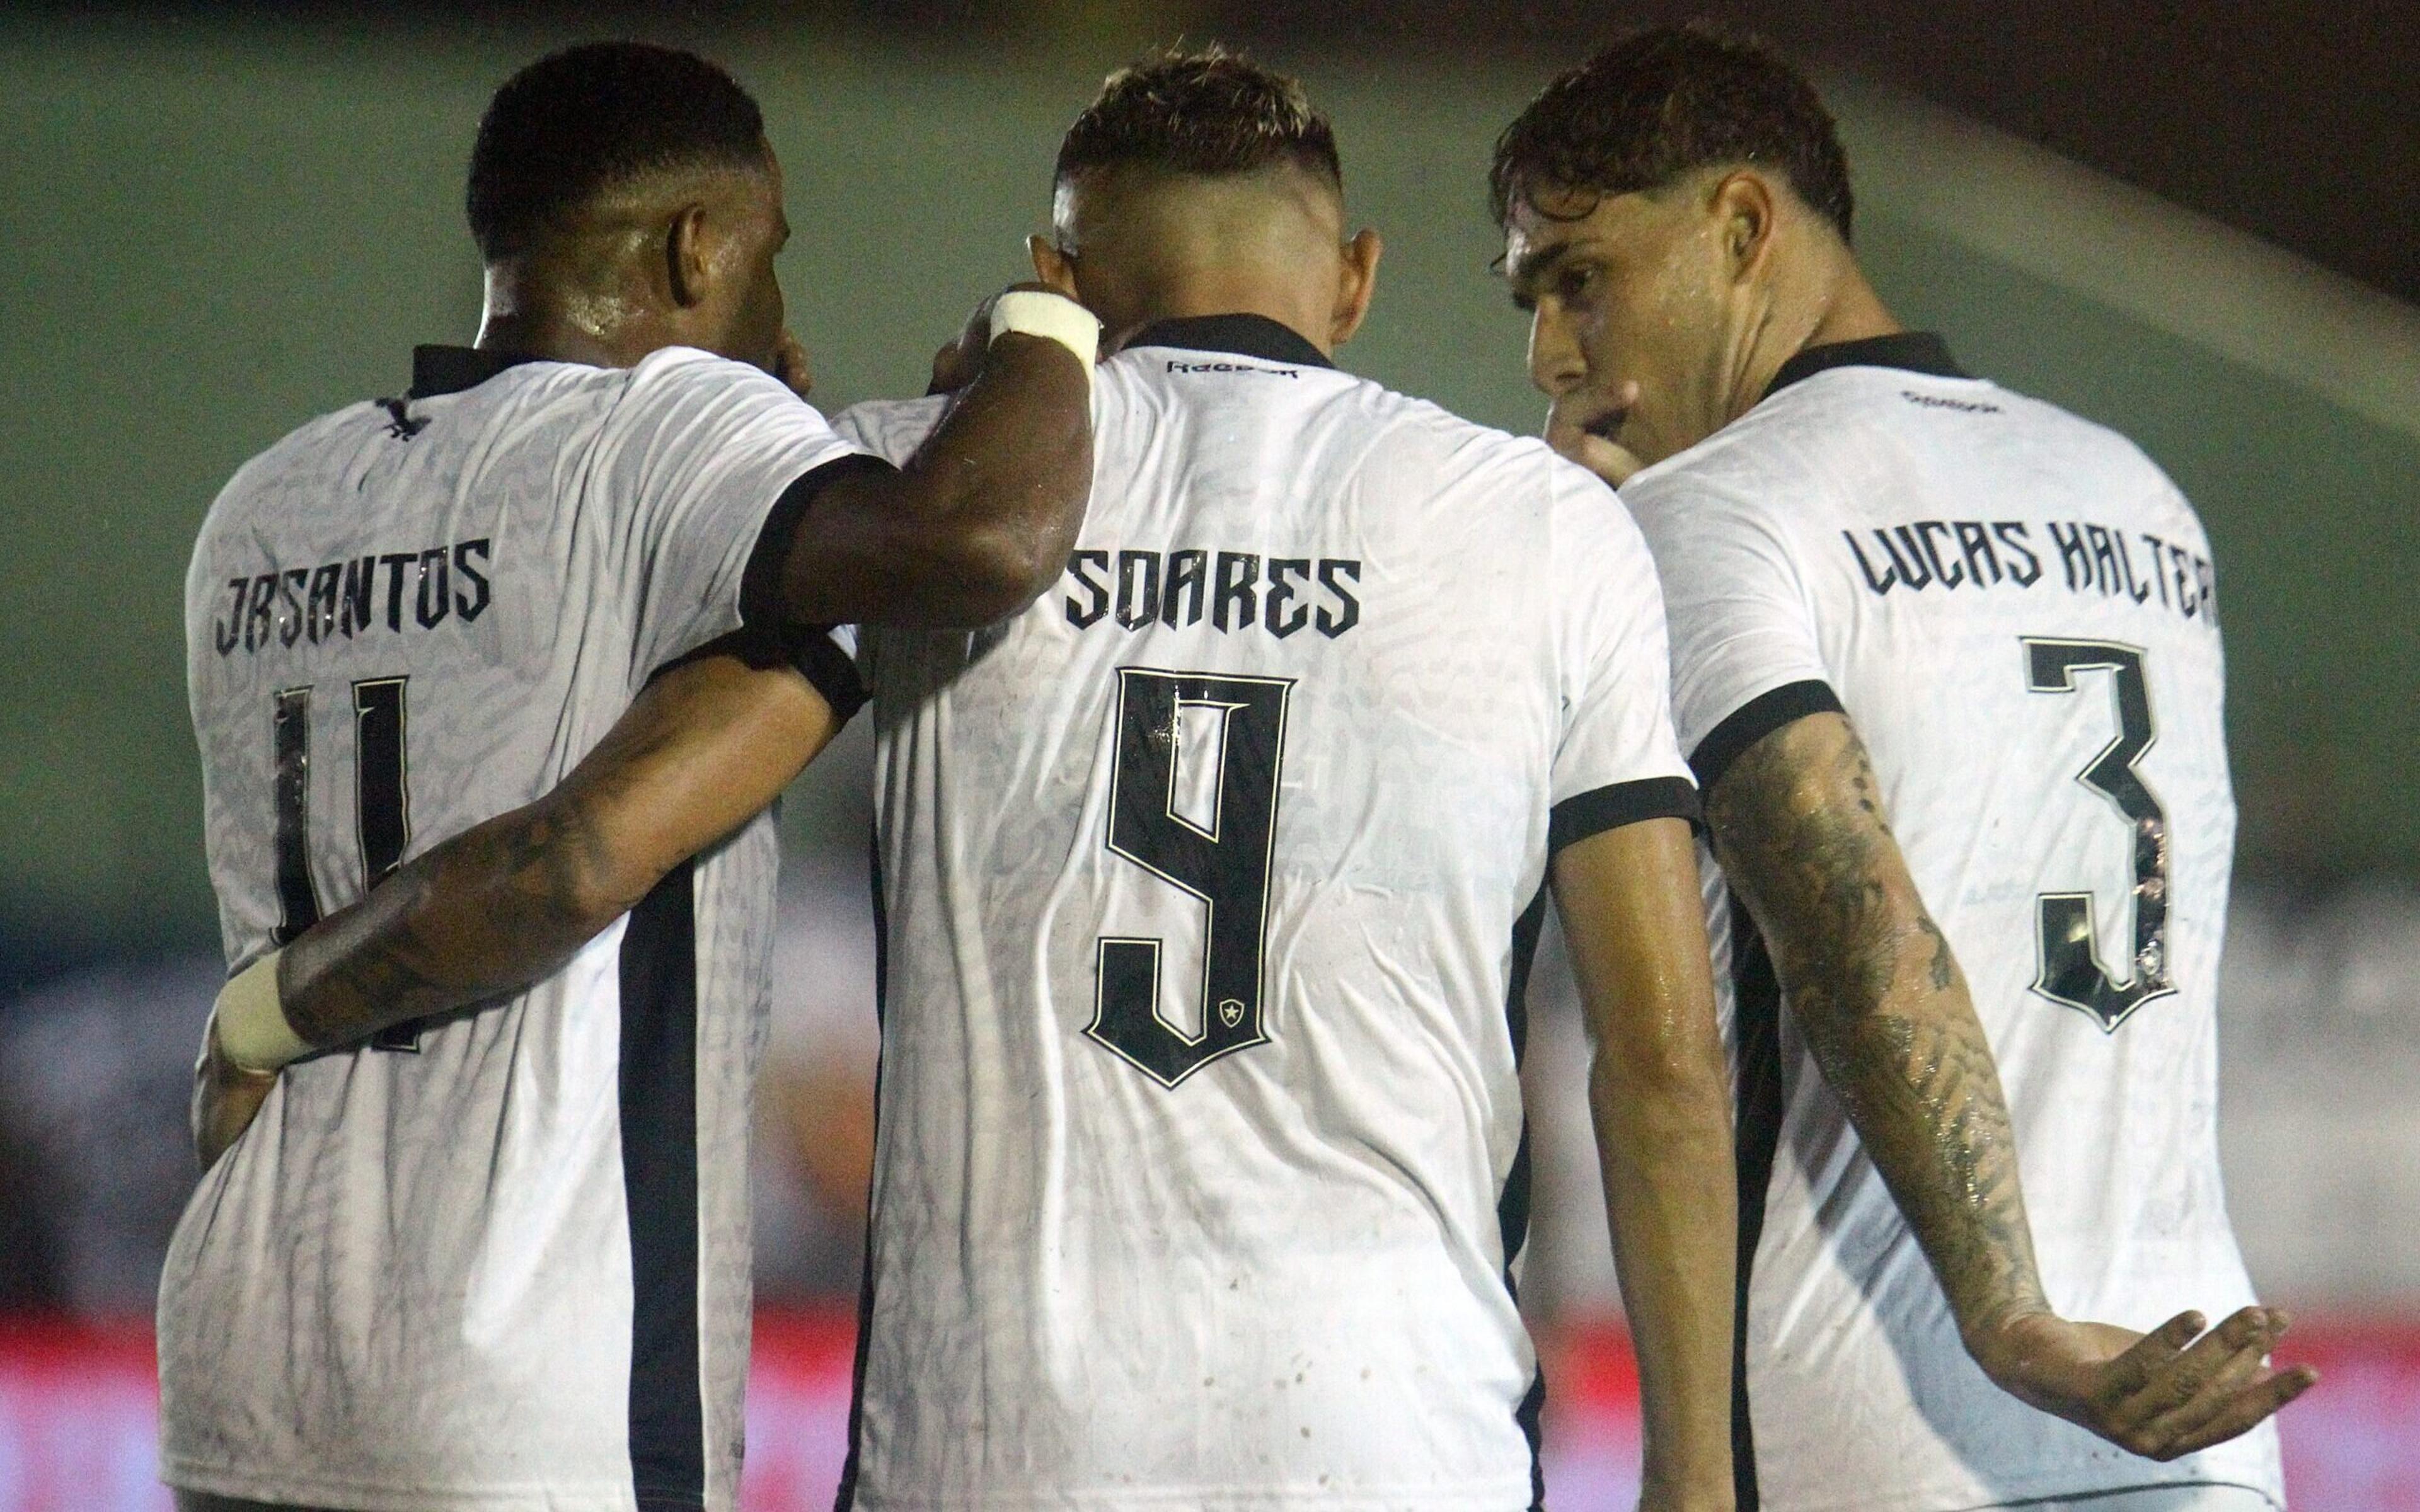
[1799,824]
[482,916]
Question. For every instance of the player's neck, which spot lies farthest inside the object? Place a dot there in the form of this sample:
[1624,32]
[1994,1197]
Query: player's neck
[1855,313]
[1314,333]
[1848,309]
[524,315]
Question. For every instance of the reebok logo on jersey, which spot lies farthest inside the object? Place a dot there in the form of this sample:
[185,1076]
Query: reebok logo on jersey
[1973,553]
[290,604]
[1174,366]
[1934,401]
[1239,590]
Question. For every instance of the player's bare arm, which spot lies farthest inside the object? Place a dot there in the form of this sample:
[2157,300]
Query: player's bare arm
[1799,824]
[1660,1102]
[977,524]
[705,747]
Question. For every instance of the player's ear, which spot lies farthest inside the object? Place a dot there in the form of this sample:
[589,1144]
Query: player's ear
[1352,291]
[688,258]
[1744,208]
[1053,266]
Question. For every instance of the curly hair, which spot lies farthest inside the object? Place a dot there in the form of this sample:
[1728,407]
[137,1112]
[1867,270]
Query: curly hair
[1209,112]
[587,119]
[1663,103]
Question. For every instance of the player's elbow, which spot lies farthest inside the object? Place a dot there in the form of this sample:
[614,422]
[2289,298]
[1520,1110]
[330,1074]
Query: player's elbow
[989,572]
[586,880]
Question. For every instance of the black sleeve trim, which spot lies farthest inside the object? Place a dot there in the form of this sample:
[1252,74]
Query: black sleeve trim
[1593,812]
[760,584]
[829,668]
[1755,719]
[809,651]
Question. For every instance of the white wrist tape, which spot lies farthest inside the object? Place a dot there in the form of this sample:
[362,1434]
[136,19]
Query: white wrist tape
[252,1031]
[1053,316]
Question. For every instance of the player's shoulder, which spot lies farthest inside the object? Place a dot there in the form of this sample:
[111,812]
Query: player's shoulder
[2104,464]
[317,445]
[1417,439]
[672,376]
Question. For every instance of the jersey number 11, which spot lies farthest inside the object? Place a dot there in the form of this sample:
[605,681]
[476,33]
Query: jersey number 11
[381,807]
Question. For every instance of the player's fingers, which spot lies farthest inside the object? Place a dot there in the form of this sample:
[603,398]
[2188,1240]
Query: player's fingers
[2128,1373]
[1607,459]
[2244,1341]
[791,367]
[2241,1340]
[2238,1412]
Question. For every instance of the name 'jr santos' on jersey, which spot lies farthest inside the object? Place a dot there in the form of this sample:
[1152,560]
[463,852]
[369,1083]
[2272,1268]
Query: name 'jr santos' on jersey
[519,546]
[1210,882]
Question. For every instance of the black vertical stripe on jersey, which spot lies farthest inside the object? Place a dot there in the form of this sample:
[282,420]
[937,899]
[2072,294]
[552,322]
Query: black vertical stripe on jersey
[381,816]
[1756,1016]
[1513,1204]
[658,1092]
[846,1498]
[298,896]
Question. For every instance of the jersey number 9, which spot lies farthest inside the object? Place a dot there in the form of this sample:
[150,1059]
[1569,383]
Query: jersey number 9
[1193,800]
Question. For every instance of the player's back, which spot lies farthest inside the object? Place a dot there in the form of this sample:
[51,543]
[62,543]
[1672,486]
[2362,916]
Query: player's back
[481,1264]
[1210,881]
[2017,610]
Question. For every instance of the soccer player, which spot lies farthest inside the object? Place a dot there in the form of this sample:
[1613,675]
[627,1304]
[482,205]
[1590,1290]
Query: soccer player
[1210,885]
[501,1260]
[1946,662]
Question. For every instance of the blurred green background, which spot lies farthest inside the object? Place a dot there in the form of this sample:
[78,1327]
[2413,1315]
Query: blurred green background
[217,232]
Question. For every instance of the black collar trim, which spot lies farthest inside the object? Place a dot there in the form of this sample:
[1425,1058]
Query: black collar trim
[1916,351]
[1242,335]
[437,370]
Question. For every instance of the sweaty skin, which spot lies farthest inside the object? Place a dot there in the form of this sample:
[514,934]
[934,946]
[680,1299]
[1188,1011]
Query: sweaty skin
[1658,317]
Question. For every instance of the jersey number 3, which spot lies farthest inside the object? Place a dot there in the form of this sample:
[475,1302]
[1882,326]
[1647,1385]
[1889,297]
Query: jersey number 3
[2070,971]
[1193,800]
[381,807]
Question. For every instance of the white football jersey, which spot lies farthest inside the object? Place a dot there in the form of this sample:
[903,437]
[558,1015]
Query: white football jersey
[1211,882]
[499,1261]
[2017,612]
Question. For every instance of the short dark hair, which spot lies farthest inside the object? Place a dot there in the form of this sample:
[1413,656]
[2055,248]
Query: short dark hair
[1209,112]
[1667,101]
[588,118]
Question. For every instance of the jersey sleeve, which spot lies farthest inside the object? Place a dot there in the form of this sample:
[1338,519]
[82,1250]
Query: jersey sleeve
[705,458]
[1618,761]
[891,428]
[1746,658]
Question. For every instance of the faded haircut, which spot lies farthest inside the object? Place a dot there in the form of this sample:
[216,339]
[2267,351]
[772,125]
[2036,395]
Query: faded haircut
[1207,112]
[1663,103]
[591,118]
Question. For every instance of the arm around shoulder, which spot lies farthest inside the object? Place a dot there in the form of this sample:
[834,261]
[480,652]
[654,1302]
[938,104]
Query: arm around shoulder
[976,524]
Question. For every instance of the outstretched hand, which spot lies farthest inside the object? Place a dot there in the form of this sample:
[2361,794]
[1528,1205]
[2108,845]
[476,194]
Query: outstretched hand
[226,1098]
[2159,1394]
